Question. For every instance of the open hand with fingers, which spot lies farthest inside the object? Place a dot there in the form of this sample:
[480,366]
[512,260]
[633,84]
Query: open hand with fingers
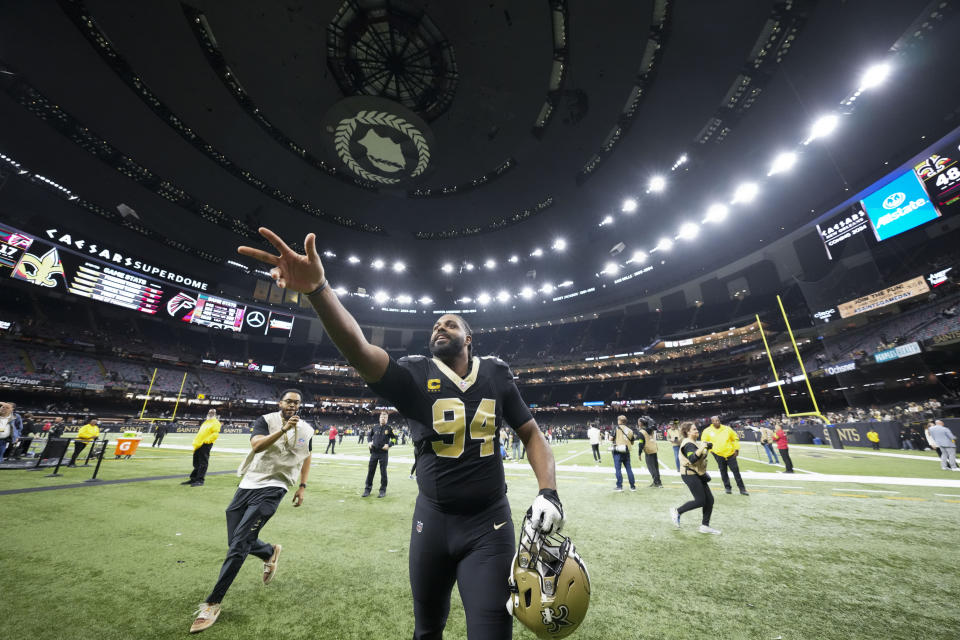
[290,270]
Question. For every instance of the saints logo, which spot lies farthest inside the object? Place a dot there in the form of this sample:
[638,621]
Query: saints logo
[40,271]
[555,620]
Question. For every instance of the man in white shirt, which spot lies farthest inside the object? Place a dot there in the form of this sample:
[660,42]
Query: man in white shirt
[593,435]
[280,451]
[942,437]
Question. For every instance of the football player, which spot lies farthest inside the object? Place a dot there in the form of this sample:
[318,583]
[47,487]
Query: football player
[455,403]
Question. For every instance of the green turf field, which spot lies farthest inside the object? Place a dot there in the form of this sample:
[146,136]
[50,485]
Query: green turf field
[798,559]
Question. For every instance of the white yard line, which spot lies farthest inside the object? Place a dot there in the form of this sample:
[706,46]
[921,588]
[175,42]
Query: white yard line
[767,463]
[865,490]
[579,453]
[948,495]
[860,451]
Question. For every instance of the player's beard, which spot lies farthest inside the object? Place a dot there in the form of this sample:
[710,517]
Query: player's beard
[449,349]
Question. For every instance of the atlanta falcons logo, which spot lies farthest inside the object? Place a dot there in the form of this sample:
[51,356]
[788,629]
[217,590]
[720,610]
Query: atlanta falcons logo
[179,303]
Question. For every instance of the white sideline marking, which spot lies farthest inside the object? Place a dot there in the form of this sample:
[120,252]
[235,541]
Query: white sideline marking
[579,453]
[768,463]
[865,490]
[777,486]
[861,451]
[947,495]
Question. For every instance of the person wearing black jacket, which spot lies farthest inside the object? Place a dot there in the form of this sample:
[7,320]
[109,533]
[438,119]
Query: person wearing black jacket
[380,442]
[693,472]
[159,432]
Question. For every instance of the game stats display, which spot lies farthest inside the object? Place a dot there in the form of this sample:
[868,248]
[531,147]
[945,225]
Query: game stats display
[40,263]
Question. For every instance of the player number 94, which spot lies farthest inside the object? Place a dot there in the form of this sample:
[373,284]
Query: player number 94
[450,419]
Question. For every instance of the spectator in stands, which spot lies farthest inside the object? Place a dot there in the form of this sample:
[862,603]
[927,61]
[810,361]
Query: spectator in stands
[726,448]
[11,426]
[694,475]
[781,439]
[673,435]
[647,434]
[279,457]
[622,441]
[332,440]
[947,442]
[202,444]
[159,431]
[593,435]
[379,455]
[88,433]
[874,439]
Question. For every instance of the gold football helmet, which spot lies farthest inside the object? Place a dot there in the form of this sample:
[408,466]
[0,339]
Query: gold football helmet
[549,584]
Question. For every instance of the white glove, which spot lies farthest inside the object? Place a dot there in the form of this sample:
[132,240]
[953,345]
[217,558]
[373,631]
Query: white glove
[546,513]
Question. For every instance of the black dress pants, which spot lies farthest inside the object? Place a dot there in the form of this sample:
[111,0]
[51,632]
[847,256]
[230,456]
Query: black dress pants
[201,459]
[654,468]
[731,462]
[785,454]
[377,459]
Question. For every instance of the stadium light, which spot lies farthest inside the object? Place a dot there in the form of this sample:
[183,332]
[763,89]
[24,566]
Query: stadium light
[682,160]
[447,267]
[425,300]
[377,264]
[566,283]
[638,257]
[606,220]
[468,266]
[716,213]
[657,184]
[536,253]
[526,293]
[611,269]
[490,264]
[689,230]
[353,260]
[380,297]
[746,192]
[513,260]
[665,244]
[823,126]
[503,295]
[874,76]
[483,298]
[629,205]
[399,267]
[341,291]
[559,244]
[547,288]
[403,298]
[329,254]
[783,162]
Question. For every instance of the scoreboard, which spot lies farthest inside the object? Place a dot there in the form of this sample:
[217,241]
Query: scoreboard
[29,259]
[115,287]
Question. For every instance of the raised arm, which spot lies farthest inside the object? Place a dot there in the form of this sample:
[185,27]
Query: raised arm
[305,273]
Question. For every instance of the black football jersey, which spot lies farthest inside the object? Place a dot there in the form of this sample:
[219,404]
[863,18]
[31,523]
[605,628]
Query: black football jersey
[455,425]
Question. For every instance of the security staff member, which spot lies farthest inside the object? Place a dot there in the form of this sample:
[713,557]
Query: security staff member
[694,475]
[160,431]
[381,440]
[874,439]
[673,435]
[647,444]
[726,448]
[202,444]
[88,433]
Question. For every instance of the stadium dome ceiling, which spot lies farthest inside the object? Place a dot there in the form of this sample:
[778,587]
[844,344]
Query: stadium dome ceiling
[466,133]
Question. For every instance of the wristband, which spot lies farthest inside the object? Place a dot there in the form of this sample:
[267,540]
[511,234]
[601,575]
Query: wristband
[322,286]
[303,485]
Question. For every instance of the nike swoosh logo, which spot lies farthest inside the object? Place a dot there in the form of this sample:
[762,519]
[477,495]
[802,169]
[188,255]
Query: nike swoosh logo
[497,526]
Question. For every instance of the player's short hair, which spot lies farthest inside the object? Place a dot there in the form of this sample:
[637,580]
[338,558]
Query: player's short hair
[685,428]
[286,391]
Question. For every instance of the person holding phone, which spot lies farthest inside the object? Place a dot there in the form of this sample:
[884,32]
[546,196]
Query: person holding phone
[279,457]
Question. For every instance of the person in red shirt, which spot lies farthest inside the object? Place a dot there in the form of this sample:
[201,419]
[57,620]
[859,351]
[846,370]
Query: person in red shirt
[332,444]
[781,439]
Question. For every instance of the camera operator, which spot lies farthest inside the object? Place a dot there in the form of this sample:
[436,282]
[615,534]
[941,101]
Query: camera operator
[693,472]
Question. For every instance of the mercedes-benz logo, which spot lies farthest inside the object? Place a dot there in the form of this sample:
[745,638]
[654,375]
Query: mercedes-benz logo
[256,319]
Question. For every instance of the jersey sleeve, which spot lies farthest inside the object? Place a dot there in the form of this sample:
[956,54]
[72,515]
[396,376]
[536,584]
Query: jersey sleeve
[690,452]
[515,410]
[260,428]
[398,386]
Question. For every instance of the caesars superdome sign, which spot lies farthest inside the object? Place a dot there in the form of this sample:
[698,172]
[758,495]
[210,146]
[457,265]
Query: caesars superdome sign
[379,140]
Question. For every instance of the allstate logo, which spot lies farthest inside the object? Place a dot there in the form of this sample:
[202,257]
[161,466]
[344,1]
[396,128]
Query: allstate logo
[894,200]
